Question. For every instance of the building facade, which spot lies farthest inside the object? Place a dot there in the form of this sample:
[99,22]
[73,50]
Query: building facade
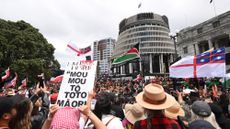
[213,33]
[156,48]
[102,52]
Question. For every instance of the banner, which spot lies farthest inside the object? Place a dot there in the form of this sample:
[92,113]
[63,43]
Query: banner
[78,80]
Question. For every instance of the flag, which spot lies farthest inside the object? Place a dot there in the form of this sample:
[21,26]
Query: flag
[56,79]
[139,5]
[24,82]
[83,52]
[73,48]
[209,64]
[7,74]
[211,1]
[209,50]
[131,54]
[138,78]
[13,82]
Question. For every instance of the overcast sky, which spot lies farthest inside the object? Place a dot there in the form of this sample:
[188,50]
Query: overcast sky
[84,21]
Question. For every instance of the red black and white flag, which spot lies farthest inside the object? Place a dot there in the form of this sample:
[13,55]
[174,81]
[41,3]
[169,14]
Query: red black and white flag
[12,83]
[7,74]
[24,82]
[138,78]
[79,51]
[56,79]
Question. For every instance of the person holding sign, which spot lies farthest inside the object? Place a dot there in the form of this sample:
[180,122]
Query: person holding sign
[103,112]
[69,117]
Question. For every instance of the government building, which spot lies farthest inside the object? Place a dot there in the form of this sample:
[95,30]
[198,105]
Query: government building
[156,48]
[213,33]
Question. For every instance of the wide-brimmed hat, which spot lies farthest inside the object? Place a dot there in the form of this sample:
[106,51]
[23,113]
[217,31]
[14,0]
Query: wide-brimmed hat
[154,97]
[174,111]
[134,112]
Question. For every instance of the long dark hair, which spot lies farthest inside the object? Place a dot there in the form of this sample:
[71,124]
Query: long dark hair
[103,105]
[23,117]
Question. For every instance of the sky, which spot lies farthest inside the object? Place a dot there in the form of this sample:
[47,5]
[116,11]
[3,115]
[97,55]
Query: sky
[82,22]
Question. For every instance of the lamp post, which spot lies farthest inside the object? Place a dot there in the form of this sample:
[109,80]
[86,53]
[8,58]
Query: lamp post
[174,38]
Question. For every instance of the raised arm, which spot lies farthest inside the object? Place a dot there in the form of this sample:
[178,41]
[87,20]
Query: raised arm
[95,120]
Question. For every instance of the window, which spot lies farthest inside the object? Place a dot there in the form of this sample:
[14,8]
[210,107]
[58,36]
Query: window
[200,30]
[216,24]
[185,49]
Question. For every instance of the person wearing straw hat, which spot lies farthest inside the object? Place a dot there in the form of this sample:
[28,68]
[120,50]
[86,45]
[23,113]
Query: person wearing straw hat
[154,99]
[174,111]
[133,113]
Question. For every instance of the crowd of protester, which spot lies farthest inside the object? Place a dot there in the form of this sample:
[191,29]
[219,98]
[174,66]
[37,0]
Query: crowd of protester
[157,103]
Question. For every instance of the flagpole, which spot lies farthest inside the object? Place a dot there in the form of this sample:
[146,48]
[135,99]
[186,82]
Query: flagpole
[140,62]
[214,6]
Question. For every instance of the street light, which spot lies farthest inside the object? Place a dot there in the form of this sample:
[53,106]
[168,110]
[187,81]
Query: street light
[174,38]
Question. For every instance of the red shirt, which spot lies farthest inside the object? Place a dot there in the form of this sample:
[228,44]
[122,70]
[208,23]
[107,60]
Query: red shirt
[158,122]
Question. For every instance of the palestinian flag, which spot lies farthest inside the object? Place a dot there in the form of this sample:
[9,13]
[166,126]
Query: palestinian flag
[132,54]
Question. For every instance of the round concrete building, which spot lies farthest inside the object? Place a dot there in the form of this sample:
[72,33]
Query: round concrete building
[156,48]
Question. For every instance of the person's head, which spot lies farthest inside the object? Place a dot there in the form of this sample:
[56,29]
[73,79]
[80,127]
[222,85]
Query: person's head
[200,124]
[153,97]
[103,105]
[23,117]
[174,111]
[37,103]
[7,111]
[134,112]
[202,111]
[53,98]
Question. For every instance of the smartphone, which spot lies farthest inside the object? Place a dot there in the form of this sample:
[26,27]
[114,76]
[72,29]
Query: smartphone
[93,104]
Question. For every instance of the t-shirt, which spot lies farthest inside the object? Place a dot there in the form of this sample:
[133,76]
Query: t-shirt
[115,123]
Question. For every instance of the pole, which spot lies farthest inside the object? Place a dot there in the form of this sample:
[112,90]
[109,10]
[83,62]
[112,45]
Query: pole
[173,37]
[214,7]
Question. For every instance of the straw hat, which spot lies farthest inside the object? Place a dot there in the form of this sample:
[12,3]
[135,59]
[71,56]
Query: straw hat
[154,97]
[174,111]
[134,112]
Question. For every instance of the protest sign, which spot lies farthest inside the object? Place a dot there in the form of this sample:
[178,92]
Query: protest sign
[78,80]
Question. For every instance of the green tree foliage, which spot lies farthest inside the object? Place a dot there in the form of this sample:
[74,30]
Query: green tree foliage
[24,49]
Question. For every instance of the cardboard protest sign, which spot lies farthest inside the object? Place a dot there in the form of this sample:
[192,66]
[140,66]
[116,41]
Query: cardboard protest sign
[78,80]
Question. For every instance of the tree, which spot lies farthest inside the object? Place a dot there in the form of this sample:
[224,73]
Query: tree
[24,49]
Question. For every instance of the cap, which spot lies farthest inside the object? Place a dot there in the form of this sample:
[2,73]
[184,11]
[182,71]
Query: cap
[201,108]
[200,124]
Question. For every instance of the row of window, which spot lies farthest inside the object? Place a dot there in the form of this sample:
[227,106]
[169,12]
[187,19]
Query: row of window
[158,50]
[160,44]
[146,28]
[146,33]
[201,30]
[145,39]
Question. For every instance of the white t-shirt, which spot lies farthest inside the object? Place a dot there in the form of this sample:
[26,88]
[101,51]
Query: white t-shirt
[115,123]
